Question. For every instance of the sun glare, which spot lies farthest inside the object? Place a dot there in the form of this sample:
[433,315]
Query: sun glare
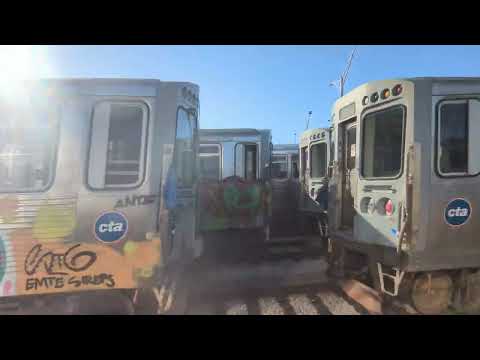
[17,64]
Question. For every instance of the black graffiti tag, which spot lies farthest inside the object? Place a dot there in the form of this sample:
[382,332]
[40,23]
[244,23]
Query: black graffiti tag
[58,263]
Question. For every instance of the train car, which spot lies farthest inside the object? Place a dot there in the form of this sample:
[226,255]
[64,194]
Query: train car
[405,188]
[284,179]
[314,149]
[234,188]
[97,191]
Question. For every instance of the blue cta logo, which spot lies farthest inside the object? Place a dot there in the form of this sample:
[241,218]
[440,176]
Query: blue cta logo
[458,212]
[111,226]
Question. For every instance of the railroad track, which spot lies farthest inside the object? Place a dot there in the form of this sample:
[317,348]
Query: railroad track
[285,278]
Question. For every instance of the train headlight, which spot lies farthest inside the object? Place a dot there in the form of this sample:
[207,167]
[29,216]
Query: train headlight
[365,101]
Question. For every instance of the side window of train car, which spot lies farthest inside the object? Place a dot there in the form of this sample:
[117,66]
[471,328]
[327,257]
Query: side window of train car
[118,145]
[246,156]
[295,172]
[303,159]
[28,146]
[279,166]
[457,146]
[210,161]
[318,160]
[383,142]
[184,147]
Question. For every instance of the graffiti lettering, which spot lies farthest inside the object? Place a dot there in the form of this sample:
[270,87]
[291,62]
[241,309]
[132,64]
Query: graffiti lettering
[58,263]
[135,200]
[56,282]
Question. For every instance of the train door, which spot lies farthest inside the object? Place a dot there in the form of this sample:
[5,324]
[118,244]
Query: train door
[246,161]
[303,166]
[350,175]
[184,171]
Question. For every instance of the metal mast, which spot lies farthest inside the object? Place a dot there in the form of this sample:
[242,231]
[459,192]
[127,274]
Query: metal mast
[340,83]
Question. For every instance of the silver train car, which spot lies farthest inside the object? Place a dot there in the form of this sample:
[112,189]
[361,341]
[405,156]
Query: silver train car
[284,172]
[314,149]
[234,187]
[97,190]
[405,188]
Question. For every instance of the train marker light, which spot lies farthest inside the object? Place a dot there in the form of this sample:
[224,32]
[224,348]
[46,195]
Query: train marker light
[385,94]
[365,100]
[389,208]
[397,90]
[374,97]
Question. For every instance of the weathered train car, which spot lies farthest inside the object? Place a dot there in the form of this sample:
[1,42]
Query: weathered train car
[314,151]
[405,186]
[284,178]
[97,190]
[234,188]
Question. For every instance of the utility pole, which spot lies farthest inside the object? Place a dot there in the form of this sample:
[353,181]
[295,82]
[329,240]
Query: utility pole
[308,119]
[340,83]
[295,137]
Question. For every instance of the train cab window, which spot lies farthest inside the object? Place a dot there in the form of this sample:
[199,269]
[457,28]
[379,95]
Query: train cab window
[279,166]
[383,143]
[457,149]
[210,161]
[295,172]
[303,159]
[28,138]
[118,142]
[184,158]
[246,161]
[318,160]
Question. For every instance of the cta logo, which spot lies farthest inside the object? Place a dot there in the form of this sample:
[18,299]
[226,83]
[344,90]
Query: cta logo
[111,226]
[457,212]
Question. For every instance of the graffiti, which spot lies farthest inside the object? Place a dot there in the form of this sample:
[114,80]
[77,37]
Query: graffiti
[49,282]
[58,263]
[249,198]
[3,259]
[53,224]
[135,200]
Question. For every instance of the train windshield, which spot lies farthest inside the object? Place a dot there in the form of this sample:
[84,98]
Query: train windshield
[383,143]
[318,160]
[279,166]
[28,137]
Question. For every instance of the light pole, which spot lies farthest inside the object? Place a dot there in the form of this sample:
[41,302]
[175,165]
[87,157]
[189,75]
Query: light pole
[308,119]
[340,83]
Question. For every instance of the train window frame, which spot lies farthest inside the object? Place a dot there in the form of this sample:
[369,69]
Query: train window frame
[146,113]
[361,146]
[285,161]
[219,155]
[57,128]
[292,175]
[194,112]
[437,165]
[310,157]
[303,161]
[257,167]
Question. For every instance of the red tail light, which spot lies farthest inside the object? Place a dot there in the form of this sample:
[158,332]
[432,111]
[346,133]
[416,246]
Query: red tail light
[389,208]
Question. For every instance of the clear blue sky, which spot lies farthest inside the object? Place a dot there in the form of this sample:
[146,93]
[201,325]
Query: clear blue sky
[269,87]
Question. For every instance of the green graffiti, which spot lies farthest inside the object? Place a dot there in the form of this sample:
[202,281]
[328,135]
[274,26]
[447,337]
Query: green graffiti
[233,199]
[3,259]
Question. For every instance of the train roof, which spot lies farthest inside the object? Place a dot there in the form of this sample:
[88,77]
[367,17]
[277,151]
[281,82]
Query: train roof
[433,80]
[80,80]
[226,132]
[279,147]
